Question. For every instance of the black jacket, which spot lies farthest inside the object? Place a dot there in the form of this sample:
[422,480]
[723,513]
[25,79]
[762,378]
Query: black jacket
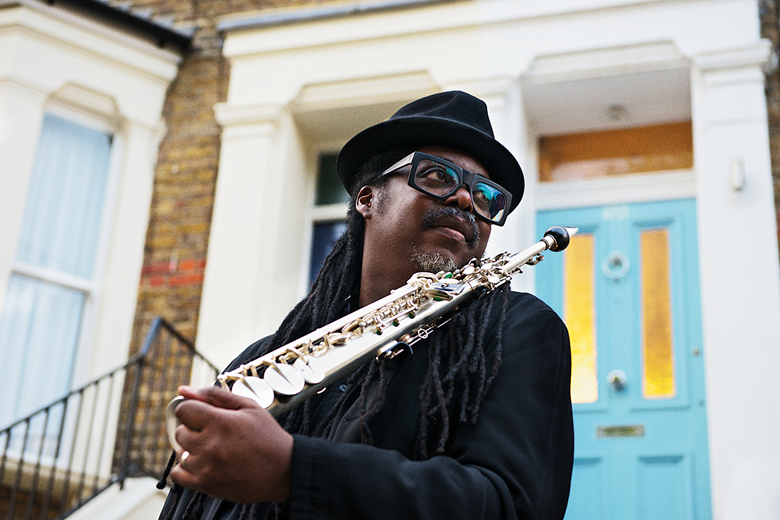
[515,462]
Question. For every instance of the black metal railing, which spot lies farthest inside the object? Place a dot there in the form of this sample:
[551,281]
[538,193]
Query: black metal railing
[66,453]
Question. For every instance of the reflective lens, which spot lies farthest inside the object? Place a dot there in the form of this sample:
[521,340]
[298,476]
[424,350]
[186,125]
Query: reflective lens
[437,178]
[488,201]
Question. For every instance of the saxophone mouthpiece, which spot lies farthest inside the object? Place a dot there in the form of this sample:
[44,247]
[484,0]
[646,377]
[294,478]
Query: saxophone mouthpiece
[561,236]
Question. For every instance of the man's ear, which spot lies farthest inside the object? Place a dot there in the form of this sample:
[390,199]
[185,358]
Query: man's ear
[365,201]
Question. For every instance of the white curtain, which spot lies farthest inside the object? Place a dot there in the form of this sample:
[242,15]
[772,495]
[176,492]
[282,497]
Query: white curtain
[41,321]
[62,218]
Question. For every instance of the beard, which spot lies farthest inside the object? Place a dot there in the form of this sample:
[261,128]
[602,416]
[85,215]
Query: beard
[433,262]
[436,262]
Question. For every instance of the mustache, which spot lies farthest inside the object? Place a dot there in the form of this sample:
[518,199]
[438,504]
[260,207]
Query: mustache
[432,218]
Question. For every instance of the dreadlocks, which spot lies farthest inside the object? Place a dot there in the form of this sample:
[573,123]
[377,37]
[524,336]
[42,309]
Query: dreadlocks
[458,371]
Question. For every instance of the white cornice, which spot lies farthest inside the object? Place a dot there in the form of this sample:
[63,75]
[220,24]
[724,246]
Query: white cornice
[241,121]
[424,18]
[62,28]
[271,30]
[284,16]
[748,56]
[598,62]
[364,91]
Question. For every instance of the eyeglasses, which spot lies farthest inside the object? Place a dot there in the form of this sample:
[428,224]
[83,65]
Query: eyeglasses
[440,178]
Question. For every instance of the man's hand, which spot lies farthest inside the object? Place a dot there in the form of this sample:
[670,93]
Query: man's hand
[231,448]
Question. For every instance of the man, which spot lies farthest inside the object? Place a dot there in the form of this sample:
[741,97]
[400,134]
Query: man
[475,424]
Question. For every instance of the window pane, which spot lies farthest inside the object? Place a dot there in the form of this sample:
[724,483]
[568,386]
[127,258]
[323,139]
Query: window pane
[579,313]
[64,206]
[325,235]
[616,152]
[40,322]
[39,330]
[329,188]
[658,354]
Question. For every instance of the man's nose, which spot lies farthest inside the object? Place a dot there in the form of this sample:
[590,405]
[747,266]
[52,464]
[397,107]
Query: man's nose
[461,199]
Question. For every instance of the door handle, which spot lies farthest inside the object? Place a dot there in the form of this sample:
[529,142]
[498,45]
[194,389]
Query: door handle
[617,379]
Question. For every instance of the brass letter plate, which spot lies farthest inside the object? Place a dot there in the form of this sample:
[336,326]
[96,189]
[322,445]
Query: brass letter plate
[629,430]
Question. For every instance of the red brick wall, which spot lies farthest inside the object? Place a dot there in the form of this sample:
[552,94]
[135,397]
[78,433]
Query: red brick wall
[185,178]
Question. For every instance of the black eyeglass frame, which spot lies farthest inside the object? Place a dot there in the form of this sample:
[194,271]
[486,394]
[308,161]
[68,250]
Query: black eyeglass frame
[466,177]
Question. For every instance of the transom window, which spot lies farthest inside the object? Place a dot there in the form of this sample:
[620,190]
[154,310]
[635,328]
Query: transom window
[624,151]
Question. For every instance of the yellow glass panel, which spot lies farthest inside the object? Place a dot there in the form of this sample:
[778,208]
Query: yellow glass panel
[658,380]
[616,152]
[579,314]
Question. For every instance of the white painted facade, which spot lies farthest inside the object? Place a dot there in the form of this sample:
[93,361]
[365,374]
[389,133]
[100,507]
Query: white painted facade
[305,80]
[57,61]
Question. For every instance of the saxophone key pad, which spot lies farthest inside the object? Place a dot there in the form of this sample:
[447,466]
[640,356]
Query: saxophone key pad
[309,368]
[256,389]
[284,379]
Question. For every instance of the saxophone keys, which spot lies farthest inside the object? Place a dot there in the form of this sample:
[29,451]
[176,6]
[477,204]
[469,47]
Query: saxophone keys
[337,339]
[256,389]
[284,379]
[354,325]
[309,369]
[444,291]
[400,350]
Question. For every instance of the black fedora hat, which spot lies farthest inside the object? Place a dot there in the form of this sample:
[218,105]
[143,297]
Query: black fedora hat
[454,119]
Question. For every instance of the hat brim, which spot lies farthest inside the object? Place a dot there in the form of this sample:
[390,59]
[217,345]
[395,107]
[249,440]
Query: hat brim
[409,132]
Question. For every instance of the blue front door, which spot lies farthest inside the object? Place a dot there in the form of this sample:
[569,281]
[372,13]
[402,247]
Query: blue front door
[627,288]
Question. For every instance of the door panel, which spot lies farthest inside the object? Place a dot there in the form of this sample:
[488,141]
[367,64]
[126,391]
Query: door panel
[627,288]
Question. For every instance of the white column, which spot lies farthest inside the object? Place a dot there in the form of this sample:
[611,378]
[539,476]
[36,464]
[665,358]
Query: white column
[741,319]
[253,264]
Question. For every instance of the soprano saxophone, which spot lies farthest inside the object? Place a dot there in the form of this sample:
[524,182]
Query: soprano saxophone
[387,328]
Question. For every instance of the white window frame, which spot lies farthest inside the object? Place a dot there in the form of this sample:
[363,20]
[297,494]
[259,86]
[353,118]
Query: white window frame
[90,288]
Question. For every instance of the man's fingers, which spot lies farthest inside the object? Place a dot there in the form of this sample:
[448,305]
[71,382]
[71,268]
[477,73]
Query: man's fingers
[195,415]
[201,407]
[183,477]
[189,438]
[216,396]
